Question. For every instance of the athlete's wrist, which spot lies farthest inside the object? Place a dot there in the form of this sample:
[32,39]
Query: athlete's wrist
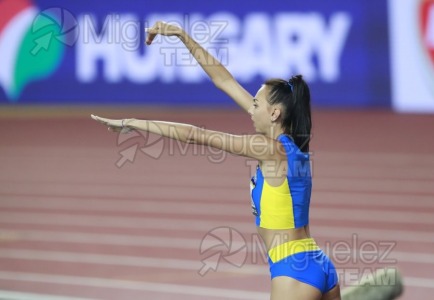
[126,123]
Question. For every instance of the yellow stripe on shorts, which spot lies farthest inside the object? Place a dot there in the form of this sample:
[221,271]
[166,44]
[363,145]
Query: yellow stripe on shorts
[292,247]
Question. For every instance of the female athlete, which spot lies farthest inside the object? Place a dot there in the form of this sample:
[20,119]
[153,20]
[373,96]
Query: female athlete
[281,187]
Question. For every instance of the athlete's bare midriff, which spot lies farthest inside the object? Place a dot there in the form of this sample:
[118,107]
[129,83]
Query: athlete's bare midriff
[275,237]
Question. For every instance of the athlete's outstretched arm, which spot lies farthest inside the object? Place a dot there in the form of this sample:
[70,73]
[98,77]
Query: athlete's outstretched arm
[256,146]
[219,75]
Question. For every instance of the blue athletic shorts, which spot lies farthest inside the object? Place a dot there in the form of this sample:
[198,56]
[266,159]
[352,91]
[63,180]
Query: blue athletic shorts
[304,261]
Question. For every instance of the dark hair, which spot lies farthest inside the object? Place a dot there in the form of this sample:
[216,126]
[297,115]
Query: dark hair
[294,96]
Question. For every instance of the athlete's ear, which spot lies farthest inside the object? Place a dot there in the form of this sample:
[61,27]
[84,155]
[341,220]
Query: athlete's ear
[275,114]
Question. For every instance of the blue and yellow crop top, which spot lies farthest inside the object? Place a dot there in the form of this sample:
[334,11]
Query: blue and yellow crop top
[285,206]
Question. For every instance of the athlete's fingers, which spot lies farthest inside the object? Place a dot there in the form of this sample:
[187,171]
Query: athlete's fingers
[96,118]
[151,34]
[102,120]
[150,37]
[158,28]
[99,119]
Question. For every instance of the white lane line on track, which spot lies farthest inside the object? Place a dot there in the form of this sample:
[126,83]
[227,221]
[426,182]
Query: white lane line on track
[120,222]
[101,239]
[201,192]
[379,201]
[419,282]
[164,288]
[257,255]
[10,295]
[200,226]
[130,261]
[113,206]
[382,201]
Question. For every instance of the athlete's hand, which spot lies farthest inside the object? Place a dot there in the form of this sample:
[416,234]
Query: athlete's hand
[113,125]
[162,28]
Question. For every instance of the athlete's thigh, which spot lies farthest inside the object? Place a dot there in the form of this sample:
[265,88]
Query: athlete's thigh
[333,294]
[287,288]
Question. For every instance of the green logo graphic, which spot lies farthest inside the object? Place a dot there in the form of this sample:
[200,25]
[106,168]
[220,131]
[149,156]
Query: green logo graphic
[38,41]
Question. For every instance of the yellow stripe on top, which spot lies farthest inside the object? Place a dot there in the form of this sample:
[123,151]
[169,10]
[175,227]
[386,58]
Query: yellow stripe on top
[276,206]
[292,247]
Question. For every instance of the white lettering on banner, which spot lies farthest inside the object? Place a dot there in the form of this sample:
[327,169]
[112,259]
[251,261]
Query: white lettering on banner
[331,44]
[256,49]
[430,28]
[295,44]
[304,36]
[257,45]
[92,48]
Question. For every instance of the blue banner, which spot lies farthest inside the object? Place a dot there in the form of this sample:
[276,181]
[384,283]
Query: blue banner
[76,52]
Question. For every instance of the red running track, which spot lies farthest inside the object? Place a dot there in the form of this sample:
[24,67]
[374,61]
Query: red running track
[75,225]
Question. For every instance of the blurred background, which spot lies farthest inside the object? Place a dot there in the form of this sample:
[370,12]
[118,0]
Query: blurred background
[86,214]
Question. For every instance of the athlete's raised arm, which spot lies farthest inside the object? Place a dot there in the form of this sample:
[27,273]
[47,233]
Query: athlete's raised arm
[219,75]
[257,146]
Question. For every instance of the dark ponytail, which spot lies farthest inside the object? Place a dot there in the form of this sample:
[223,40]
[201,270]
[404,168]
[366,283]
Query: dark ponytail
[294,96]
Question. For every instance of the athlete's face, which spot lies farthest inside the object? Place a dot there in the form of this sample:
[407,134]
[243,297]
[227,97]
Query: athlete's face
[261,111]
